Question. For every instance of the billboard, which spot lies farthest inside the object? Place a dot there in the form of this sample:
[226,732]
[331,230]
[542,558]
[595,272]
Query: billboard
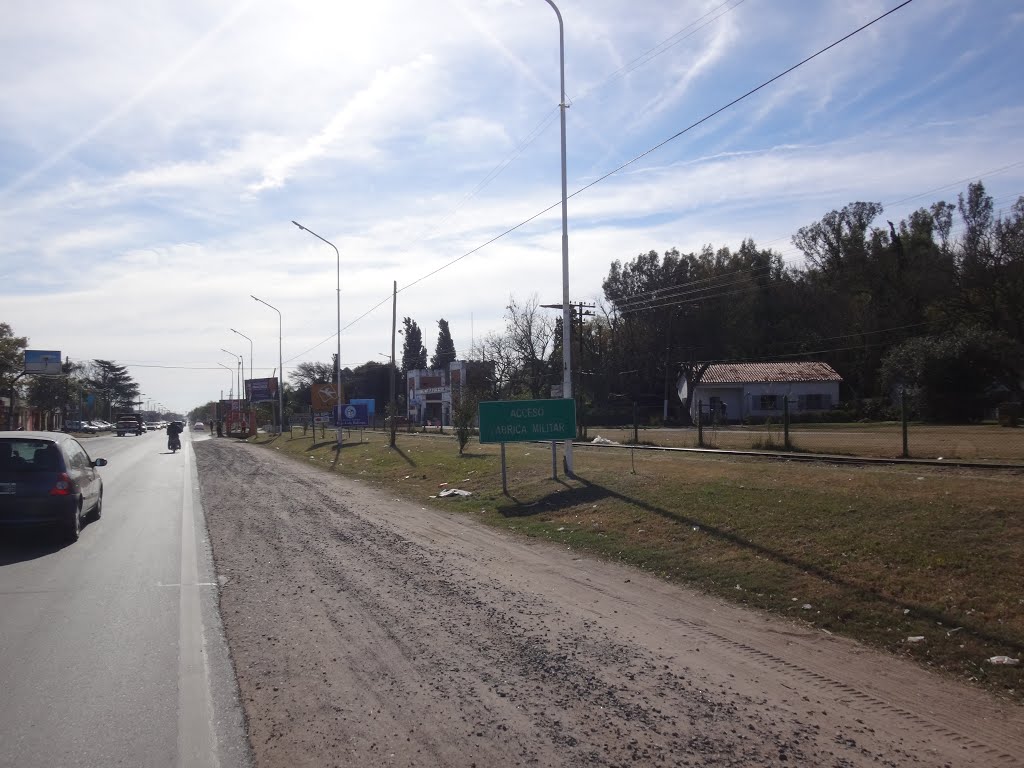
[371,407]
[354,415]
[229,405]
[324,396]
[261,390]
[43,362]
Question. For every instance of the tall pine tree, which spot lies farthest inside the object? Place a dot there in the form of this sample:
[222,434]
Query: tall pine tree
[444,352]
[414,354]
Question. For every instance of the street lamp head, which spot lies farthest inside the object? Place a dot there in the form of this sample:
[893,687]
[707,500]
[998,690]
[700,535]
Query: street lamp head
[298,225]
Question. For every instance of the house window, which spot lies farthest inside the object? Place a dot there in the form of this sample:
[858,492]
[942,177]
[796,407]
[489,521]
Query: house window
[768,403]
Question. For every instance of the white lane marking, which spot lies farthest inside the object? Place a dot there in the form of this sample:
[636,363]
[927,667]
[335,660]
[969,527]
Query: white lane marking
[199,584]
[197,743]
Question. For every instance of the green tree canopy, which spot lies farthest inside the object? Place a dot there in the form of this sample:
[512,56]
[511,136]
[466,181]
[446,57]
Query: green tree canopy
[12,355]
[414,354]
[444,350]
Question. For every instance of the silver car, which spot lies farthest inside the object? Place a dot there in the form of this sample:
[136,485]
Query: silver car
[48,479]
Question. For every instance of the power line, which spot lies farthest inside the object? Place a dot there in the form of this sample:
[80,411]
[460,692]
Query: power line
[625,165]
[661,144]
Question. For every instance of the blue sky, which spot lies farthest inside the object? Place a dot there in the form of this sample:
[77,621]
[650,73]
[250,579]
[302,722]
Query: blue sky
[153,155]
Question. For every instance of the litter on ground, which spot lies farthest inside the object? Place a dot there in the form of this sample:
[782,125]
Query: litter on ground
[454,492]
[1008,661]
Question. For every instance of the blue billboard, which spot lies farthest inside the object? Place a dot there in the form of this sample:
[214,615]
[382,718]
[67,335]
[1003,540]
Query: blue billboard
[355,415]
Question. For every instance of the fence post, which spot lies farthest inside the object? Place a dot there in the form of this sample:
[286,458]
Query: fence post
[785,423]
[903,421]
[636,422]
[700,424]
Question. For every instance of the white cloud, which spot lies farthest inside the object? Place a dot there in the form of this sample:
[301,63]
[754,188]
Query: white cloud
[168,145]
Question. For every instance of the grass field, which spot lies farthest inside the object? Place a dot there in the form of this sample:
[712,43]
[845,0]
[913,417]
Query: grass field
[981,442]
[880,554]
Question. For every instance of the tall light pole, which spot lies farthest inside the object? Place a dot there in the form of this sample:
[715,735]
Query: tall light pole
[231,384]
[250,366]
[280,368]
[240,363]
[566,309]
[338,362]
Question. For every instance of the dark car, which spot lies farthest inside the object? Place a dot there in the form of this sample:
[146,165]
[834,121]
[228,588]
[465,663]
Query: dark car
[48,479]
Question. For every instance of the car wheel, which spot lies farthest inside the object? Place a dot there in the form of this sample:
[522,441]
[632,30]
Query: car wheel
[97,511]
[73,527]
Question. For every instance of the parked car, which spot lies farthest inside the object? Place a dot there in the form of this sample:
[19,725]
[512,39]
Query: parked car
[89,428]
[48,479]
[72,426]
[199,426]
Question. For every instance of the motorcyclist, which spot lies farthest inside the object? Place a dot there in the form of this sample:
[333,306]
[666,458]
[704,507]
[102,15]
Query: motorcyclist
[173,431]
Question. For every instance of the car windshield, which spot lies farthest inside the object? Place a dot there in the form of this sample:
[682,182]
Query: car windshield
[26,455]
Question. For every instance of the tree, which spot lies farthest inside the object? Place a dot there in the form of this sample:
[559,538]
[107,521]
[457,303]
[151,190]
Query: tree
[444,351]
[12,356]
[465,403]
[112,384]
[530,335]
[674,314]
[370,380]
[837,245]
[414,354]
[951,376]
[495,351]
[55,393]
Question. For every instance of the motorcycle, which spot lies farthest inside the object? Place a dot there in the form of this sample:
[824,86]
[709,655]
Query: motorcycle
[173,443]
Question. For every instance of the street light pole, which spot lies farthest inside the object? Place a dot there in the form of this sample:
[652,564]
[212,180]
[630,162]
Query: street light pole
[250,368]
[280,367]
[338,362]
[566,309]
[231,385]
[240,363]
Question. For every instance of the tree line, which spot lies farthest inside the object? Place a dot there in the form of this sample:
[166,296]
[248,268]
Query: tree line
[930,307]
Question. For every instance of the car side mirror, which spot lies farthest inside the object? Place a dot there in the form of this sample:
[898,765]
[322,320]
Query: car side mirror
[99,463]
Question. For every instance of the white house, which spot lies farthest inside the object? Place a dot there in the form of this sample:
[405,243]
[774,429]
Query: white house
[734,391]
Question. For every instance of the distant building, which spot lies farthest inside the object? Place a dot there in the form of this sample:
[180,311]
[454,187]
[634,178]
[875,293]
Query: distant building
[429,391]
[735,391]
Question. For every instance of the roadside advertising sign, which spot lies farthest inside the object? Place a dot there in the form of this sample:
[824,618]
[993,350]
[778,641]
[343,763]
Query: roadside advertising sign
[371,407]
[354,415]
[43,362]
[510,421]
[324,396]
[261,390]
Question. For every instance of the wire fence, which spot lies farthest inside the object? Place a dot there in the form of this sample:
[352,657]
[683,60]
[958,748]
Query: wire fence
[989,441]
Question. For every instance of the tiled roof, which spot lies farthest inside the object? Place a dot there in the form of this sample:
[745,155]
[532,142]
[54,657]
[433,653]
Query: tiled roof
[748,373]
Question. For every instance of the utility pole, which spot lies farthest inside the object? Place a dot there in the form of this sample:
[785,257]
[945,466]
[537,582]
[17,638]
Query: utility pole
[567,346]
[392,426]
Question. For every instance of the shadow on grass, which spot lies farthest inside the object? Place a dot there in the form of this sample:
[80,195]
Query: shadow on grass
[592,492]
[405,457]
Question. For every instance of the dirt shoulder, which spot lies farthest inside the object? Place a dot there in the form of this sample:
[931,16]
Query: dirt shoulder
[370,631]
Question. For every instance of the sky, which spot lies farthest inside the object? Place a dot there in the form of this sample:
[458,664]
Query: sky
[154,155]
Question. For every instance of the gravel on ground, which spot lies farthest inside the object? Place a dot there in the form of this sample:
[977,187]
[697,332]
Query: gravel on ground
[370,631]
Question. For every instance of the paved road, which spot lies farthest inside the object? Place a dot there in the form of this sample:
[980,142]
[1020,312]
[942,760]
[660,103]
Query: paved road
[102,642]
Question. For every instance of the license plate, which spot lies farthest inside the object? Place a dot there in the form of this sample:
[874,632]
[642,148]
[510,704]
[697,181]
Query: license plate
[7,489]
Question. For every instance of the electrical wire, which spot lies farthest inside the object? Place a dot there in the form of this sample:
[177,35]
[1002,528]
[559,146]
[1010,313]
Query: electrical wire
[625,165]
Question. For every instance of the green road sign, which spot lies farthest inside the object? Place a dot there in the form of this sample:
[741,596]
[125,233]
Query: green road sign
[511,421]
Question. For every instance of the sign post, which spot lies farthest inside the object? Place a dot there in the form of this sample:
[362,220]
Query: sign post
[512,421]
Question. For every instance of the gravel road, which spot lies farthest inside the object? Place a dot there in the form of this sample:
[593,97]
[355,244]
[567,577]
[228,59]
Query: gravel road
[368,631]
